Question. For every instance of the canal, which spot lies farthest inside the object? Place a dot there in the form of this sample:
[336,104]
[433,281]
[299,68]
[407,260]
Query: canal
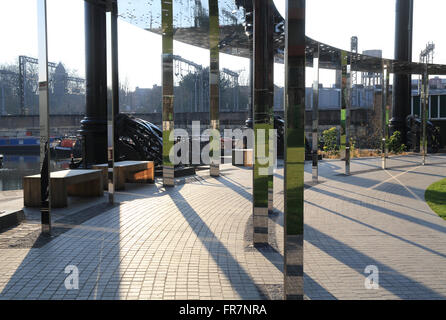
[15,167]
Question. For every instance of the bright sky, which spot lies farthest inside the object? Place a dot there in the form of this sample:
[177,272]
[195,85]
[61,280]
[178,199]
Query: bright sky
[329,21]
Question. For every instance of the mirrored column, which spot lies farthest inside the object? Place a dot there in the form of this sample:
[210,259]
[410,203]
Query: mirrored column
[345,107]
[45,181]
[272,136]
[315,113]
[262,116]
[167,78]
[112,92]
[424,113]
[384,114]
[294,148]
[214,84]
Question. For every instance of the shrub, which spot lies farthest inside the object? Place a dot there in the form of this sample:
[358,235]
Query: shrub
[394,143]
[330,140]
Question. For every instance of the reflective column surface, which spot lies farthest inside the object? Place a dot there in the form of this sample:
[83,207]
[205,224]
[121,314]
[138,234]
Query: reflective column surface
[262,123]
[315,113]
[272,138]
[167,78]
[214,84]
[345,107]
[424,113]
[45,181]
[384,127]
[112,93]
[294,148]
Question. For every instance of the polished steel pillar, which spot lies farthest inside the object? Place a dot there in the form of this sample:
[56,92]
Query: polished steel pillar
[45,168]
[424,113]
[346,87]
[214,83]
[112,92]
[272,143]
[262,119]
[384,108]
[315,113]
[167,78]
[294,148]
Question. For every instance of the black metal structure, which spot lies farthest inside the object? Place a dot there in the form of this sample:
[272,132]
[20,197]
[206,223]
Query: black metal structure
[138,139]
[403,52]
[414,133]
[94,125]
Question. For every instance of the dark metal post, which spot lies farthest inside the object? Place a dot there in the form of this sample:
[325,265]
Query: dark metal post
[294,148]
[94,125]
[45,168]
[403,52]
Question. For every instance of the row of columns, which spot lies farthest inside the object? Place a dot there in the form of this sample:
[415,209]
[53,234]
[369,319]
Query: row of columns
[345,116]
[263,87]
[262,114]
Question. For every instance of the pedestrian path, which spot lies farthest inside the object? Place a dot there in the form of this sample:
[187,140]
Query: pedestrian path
[194,241]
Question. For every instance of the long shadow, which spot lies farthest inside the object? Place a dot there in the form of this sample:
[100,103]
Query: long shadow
[379,230]
[93,250]
[420,173]
[374,198]
[240,190]
[272,255]
[388,187]
[276,258]
[386,211]
[215,248]
[388,276]
[317,292]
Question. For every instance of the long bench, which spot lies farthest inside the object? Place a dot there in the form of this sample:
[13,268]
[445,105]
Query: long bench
[81,183]
[128,171]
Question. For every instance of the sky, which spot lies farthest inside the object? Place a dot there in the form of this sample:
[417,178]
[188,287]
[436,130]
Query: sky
[329,21]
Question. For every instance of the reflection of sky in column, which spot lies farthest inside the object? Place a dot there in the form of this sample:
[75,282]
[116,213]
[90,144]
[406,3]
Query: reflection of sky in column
[146,14]
[142,13]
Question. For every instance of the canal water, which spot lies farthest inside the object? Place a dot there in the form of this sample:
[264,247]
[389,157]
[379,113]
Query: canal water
[15,167]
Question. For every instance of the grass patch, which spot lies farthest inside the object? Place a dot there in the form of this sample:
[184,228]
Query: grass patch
[435,197]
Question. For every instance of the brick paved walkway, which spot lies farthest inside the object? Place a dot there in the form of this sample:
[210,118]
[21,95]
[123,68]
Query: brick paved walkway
[376,218]
[194,241]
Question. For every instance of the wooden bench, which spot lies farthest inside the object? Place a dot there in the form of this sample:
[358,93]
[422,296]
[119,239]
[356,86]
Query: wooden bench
[81,183]
[128,171]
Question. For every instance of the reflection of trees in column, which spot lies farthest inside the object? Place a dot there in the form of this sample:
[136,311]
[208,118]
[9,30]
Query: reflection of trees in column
[20,86]
[192,92]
